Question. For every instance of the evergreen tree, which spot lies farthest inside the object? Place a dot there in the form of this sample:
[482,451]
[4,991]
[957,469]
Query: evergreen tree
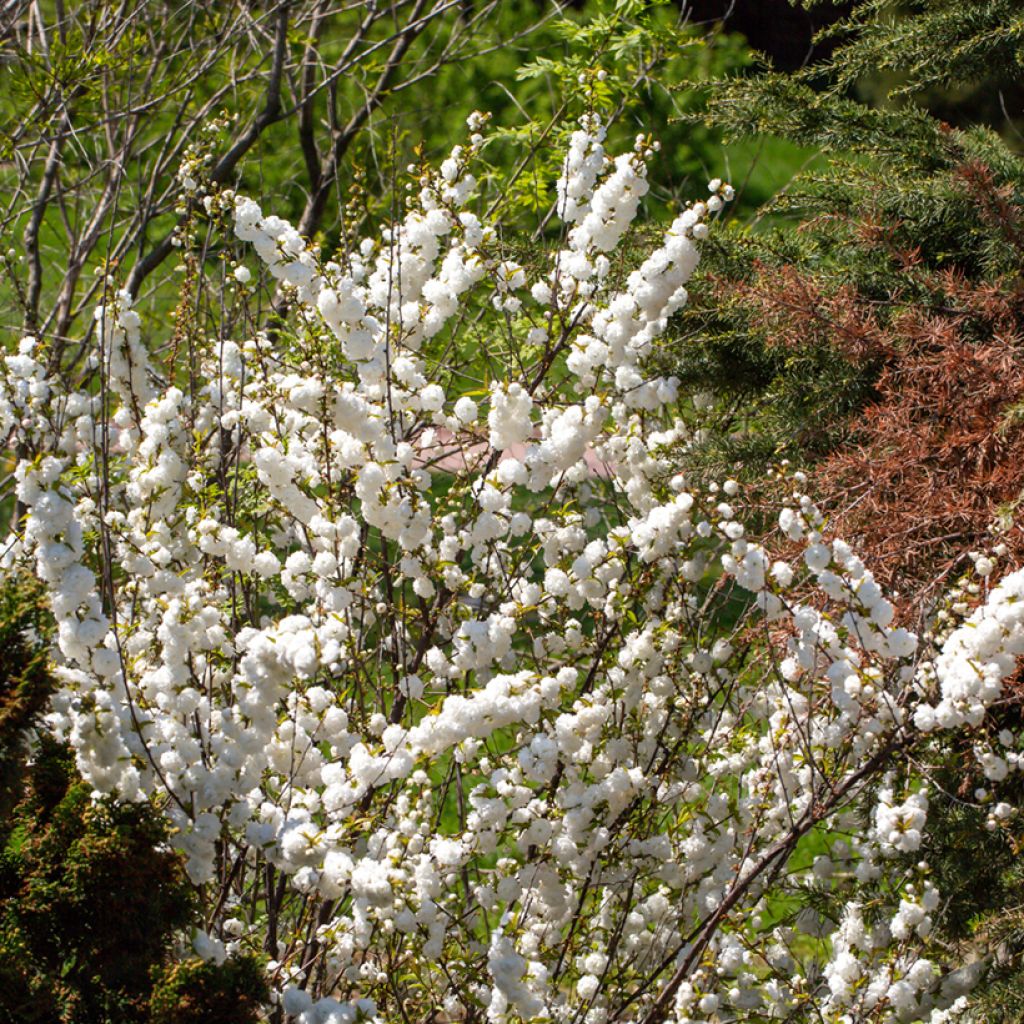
[868,320]
[869,326]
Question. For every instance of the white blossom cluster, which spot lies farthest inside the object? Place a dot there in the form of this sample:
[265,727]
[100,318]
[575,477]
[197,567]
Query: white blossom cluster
[977,658]
[477,736]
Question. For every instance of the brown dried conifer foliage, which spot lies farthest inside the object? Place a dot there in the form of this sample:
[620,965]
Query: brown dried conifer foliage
[935,461]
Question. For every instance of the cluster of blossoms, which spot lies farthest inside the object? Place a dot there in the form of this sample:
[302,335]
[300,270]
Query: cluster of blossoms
[436,681]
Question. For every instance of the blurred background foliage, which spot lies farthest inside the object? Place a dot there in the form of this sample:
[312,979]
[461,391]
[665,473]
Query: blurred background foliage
[317,108]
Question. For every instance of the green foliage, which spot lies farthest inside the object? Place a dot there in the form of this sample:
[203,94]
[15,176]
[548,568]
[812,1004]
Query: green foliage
[931,42]
[980,873]
[197,992]
[91,898]
[97,871]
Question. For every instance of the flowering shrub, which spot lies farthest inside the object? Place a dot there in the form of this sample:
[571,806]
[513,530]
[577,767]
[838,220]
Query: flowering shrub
[460,702]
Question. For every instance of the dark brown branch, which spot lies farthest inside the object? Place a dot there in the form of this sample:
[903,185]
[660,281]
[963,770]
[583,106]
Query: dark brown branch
[227,163]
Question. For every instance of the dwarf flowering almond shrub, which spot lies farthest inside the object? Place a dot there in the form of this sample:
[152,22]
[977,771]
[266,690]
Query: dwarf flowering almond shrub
[460,703]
